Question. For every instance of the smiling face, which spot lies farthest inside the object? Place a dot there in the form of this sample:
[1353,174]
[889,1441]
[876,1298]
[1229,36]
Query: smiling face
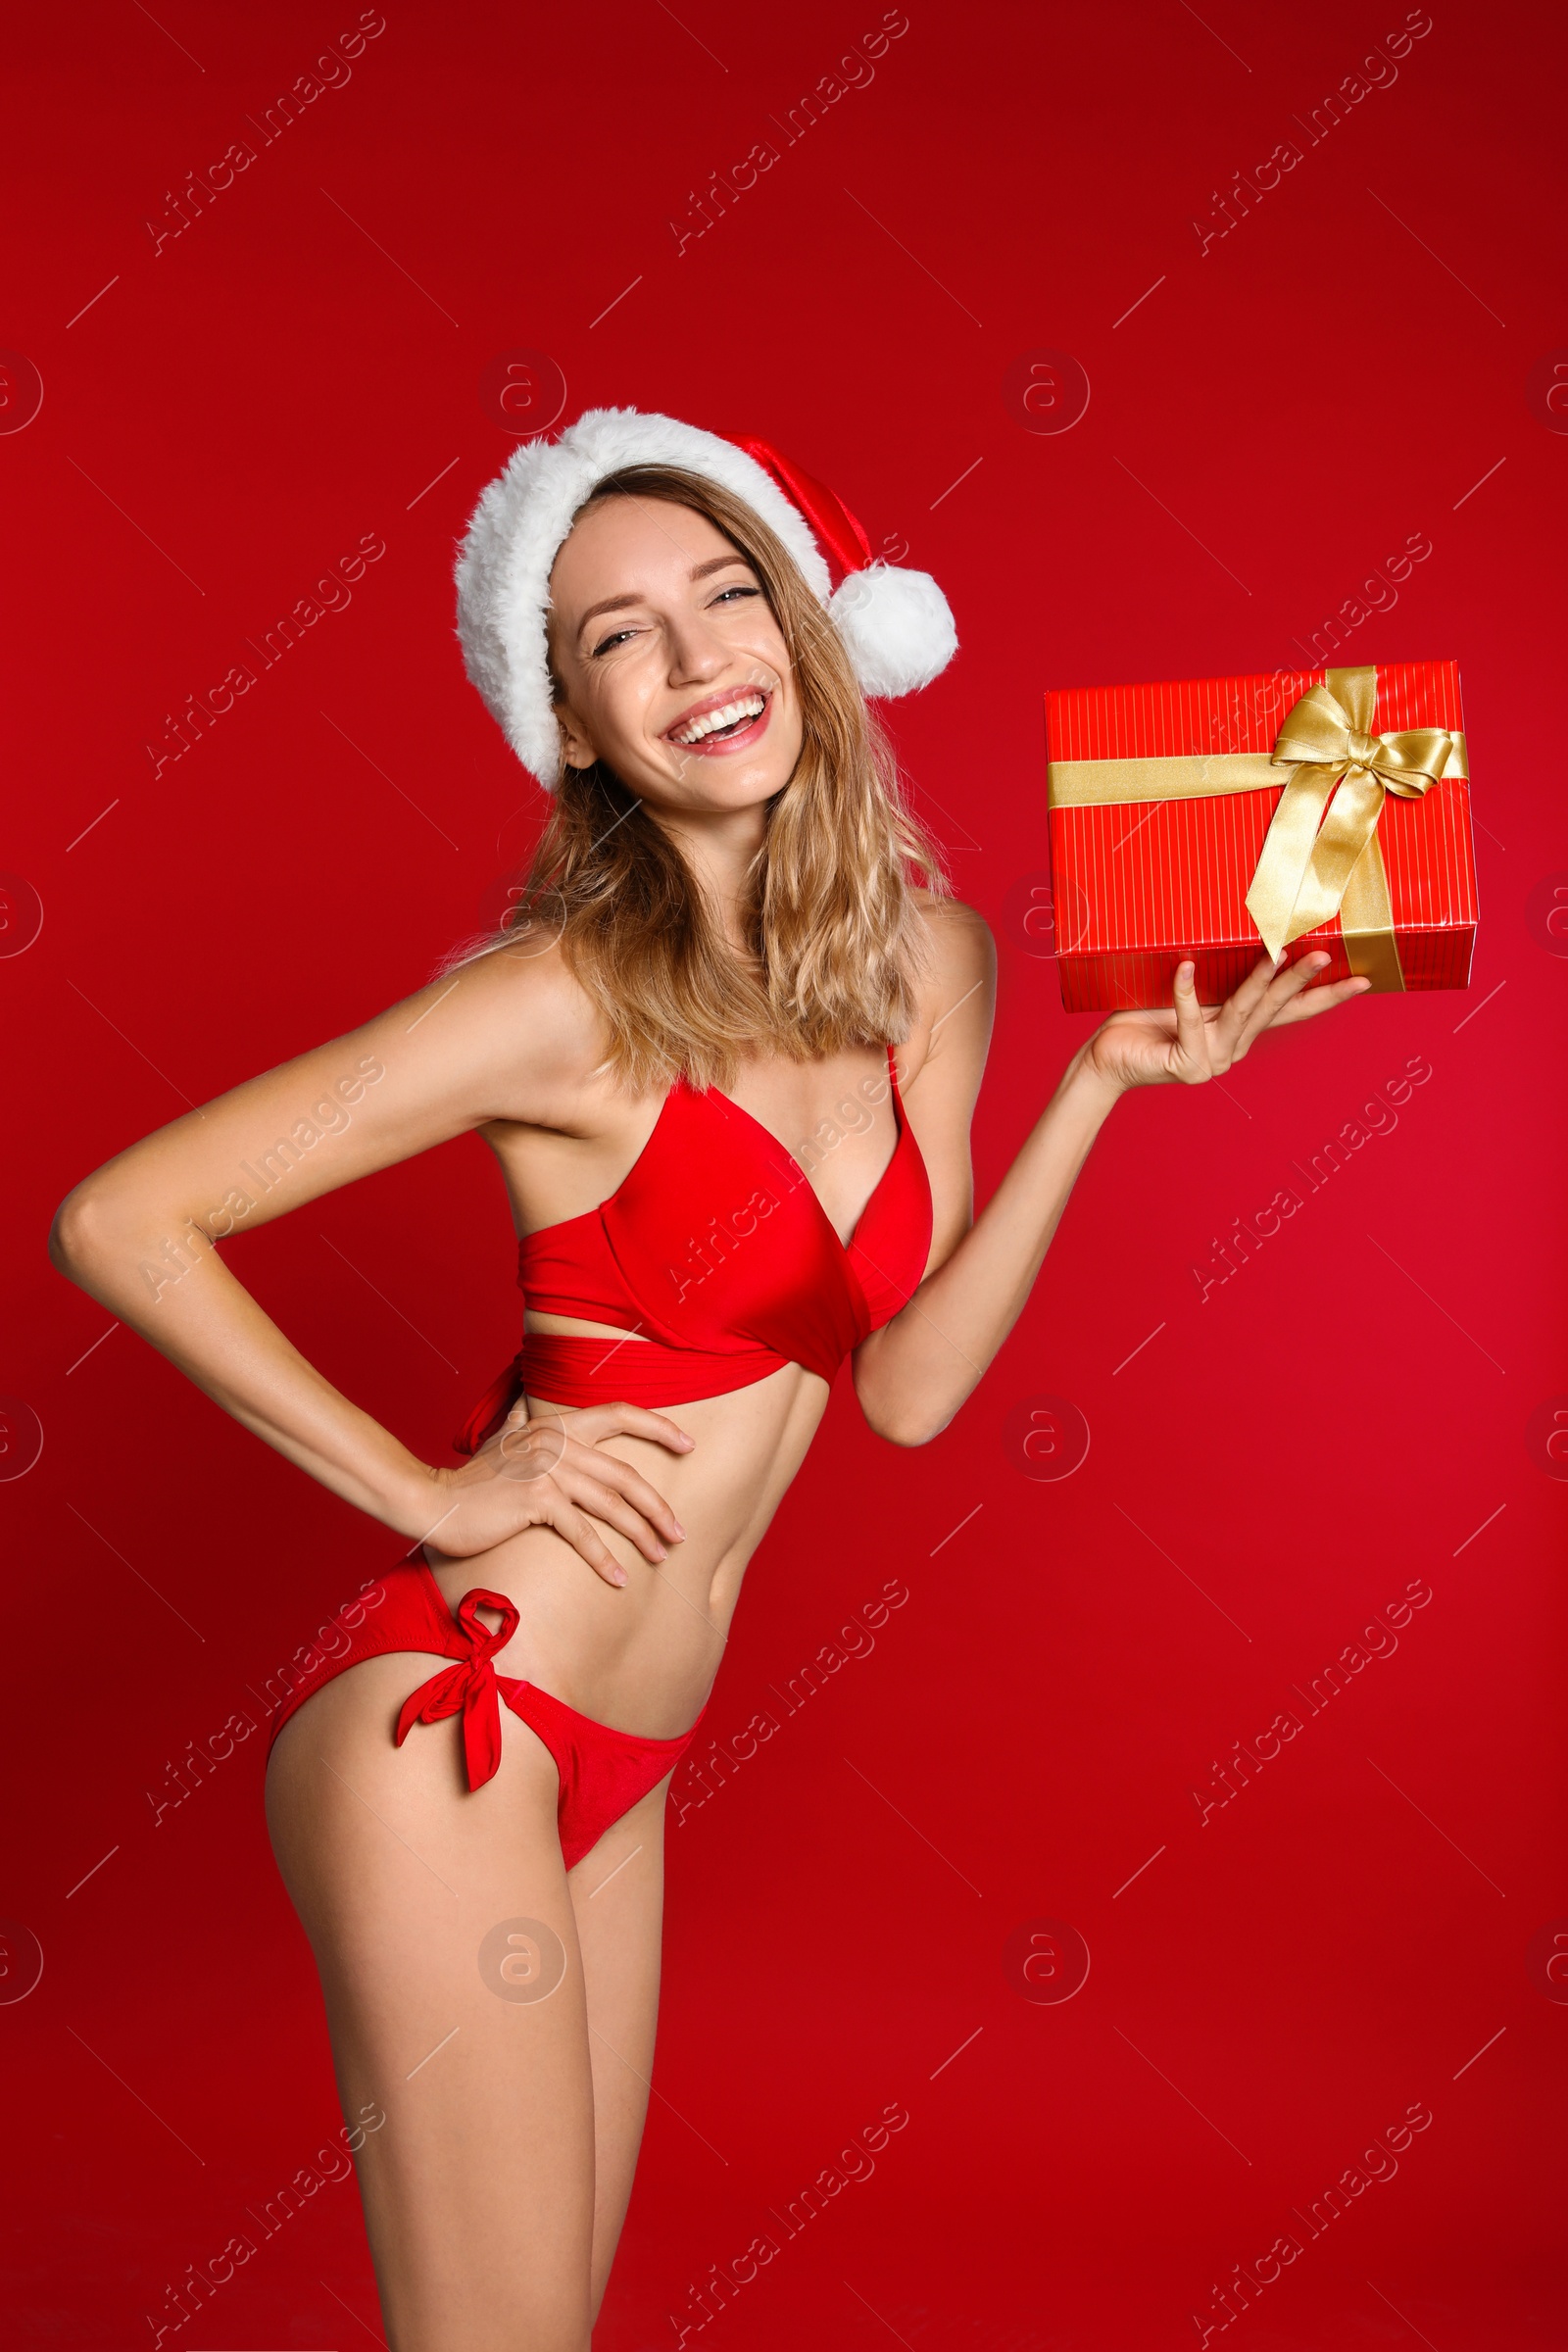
[672,666]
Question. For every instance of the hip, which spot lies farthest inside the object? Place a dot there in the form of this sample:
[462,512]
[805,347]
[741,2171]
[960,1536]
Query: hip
[645,1652]
[639,1657]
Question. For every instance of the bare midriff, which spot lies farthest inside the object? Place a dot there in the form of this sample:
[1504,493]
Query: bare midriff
[642,1656]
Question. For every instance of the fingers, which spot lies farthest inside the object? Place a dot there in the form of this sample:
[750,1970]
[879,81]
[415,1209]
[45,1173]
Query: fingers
[1314,1001]
[1281,982]
[1269,1002]
[607,1505]
[631,1421]
[598,1470]
[1191,1033]
[578,1531]
[557,1454]
[1293,996]
[1246,999]
[1251,1007]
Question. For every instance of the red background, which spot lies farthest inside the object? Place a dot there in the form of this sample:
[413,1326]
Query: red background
[1276,1463]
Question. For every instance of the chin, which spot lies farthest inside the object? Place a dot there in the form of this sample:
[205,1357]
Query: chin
[748,786]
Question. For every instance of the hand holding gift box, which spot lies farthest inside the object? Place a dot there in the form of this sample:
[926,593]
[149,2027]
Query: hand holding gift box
[1223,818]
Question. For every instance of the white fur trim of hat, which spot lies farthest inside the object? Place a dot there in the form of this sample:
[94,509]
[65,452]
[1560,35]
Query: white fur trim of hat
[895,624]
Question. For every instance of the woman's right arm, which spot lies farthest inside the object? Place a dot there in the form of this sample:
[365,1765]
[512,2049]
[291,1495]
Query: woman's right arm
[502,1039]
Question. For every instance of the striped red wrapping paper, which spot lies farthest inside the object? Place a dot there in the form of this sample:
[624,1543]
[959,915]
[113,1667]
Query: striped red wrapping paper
[1140,884]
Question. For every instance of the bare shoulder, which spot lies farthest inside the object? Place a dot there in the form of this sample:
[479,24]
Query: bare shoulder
[958,934]
[957,994]
[520,1016]
[942,1059]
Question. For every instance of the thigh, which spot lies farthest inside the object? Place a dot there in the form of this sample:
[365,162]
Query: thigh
[453,1979]
[617,1894]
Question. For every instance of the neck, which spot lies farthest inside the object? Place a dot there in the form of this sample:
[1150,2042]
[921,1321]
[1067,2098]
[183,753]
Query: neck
[719,846]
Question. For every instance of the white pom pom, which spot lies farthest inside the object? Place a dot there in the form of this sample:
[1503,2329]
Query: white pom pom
[898,627]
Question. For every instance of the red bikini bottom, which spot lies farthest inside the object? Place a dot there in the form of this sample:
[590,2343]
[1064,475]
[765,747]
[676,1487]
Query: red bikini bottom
[602,1772]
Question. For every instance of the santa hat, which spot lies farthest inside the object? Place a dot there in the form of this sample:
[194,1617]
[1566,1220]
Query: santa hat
[896,625]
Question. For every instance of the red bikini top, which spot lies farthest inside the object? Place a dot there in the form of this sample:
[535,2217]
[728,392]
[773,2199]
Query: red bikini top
[717,1255]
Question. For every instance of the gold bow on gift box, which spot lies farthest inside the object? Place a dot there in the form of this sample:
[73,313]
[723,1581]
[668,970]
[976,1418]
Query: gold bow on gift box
[1305,870]
[1308,871]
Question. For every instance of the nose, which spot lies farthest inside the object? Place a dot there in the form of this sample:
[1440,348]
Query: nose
[696,650]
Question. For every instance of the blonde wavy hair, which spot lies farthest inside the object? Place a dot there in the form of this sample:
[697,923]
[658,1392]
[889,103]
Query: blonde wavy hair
[835,945]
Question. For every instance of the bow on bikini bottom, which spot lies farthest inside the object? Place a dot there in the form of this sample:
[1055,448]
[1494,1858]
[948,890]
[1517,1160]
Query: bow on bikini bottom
[602,1772]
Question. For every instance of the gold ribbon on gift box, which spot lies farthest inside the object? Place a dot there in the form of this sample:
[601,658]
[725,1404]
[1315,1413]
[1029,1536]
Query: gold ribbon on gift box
[1312,865]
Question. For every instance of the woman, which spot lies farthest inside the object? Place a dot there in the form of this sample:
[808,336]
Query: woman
[682,1057]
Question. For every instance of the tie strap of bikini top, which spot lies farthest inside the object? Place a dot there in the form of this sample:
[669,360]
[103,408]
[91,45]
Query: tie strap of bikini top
[468,1686]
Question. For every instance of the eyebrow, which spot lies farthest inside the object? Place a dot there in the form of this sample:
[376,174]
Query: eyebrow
[699,572]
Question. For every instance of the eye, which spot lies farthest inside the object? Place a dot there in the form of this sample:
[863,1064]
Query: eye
[737,590]
[618,638]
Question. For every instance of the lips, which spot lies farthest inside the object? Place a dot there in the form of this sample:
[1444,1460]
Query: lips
[729,720]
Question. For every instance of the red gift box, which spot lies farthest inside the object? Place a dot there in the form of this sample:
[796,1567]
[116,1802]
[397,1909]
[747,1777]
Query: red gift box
[1162,798]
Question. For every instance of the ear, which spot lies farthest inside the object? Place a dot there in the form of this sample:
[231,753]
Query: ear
[576,748]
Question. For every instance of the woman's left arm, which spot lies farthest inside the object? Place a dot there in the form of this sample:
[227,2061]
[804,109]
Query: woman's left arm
[913,1374]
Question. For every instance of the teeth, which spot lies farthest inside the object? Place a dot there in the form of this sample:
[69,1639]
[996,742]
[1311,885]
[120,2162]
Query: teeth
[750,706]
